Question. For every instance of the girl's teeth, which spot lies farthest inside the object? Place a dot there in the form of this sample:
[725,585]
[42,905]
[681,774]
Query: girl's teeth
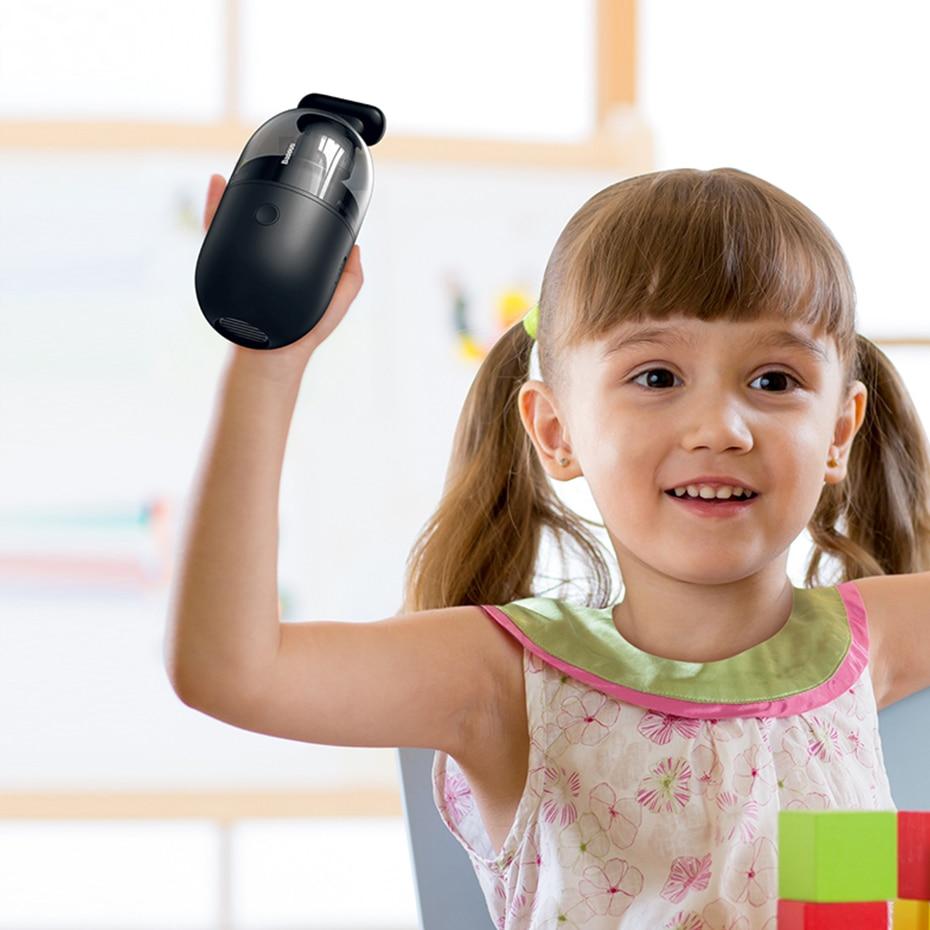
[708,493]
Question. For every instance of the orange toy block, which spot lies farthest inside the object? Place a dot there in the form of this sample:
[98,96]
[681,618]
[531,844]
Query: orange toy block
[911,915]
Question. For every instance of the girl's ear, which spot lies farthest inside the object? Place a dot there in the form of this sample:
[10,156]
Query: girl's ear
[849,422]
[546,430]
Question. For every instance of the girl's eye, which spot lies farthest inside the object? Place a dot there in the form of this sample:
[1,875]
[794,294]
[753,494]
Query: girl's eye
[767,376]
[778,374]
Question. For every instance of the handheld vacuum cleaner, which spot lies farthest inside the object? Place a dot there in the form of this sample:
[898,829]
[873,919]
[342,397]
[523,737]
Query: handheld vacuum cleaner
[288,218]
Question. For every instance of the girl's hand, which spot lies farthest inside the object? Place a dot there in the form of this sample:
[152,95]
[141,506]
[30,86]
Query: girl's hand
[350,283]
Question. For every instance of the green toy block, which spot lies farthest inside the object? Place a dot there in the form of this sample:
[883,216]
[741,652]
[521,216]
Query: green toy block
[837,855]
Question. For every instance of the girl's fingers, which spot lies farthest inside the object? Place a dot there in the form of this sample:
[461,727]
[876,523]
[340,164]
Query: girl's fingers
[214,194]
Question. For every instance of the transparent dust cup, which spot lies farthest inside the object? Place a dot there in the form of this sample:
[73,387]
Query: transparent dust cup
[316,153]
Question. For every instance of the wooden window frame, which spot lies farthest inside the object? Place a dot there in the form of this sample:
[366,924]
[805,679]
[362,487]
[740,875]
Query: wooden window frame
[620,142]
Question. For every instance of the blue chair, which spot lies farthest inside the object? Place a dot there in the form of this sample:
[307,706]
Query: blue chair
[449,896]
[906,743]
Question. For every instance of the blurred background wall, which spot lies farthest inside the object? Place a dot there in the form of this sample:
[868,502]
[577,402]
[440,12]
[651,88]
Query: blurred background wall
[120,806]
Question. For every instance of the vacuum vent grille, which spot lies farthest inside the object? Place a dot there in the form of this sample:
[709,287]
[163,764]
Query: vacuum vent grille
[241,328]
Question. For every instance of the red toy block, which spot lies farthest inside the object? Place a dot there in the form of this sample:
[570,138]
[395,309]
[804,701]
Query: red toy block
[914,855]
[833,915]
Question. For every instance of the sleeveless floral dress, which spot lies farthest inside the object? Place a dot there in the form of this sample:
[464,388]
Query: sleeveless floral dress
[654,784]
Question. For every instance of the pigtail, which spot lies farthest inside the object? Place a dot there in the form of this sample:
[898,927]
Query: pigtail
[481,544]
[877,520]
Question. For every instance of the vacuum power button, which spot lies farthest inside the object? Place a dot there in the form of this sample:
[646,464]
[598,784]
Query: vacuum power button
[267,214]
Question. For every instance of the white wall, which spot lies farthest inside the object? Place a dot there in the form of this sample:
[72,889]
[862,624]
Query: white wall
[108,369]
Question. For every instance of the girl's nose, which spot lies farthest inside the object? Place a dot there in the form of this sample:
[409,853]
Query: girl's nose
[716,423]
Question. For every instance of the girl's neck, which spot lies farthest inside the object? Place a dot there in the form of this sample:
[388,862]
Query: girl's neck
[703,623]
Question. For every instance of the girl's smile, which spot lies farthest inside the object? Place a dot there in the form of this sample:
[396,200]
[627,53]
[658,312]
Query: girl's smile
[712,507]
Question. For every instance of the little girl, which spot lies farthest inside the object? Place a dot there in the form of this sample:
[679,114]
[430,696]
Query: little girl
[609,764]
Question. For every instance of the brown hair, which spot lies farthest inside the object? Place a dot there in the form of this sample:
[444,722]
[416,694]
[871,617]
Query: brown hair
[715,245]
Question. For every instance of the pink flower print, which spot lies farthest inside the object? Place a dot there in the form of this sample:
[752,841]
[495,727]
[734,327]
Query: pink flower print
[737,816]
[588,717]
[823,739]
[727,728]
[457,797]
[875,798]
[859,749]
[721,915]
[754,774]
[621,819]
[687,872]
[559,791]
[529,864]
[550,738]
[683,921]
[791,780]
[659,727]
[499,903]
[502,862]
[751,874]
[538,742]
[849,705]
[796,748]
[585,841]
[521,908]
[794,744]
[564,910]
[812,801]
[792,755]
[553,686]
[666,788]
[534,664]
[610,889]
[765,725]
[708,774]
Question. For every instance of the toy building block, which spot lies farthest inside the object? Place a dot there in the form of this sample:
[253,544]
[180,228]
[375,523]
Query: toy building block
[842,915]
[837,856]
[914,856]
[911,915]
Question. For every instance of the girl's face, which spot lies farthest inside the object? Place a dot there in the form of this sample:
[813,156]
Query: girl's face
[699,398]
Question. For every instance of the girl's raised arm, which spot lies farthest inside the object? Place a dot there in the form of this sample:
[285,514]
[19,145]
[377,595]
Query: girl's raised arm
[419,679]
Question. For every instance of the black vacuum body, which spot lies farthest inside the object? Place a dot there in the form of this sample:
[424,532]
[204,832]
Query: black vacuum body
[286,222]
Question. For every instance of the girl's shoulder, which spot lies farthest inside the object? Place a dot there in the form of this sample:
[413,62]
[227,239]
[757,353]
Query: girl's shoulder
[898,614]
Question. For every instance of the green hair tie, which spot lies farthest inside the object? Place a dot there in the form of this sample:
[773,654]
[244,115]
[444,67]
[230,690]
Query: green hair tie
[531,320]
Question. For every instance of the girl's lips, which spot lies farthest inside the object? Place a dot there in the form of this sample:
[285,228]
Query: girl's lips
[702,507]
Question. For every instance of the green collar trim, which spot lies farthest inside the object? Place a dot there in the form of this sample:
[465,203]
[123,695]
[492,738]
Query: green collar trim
[804,654]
